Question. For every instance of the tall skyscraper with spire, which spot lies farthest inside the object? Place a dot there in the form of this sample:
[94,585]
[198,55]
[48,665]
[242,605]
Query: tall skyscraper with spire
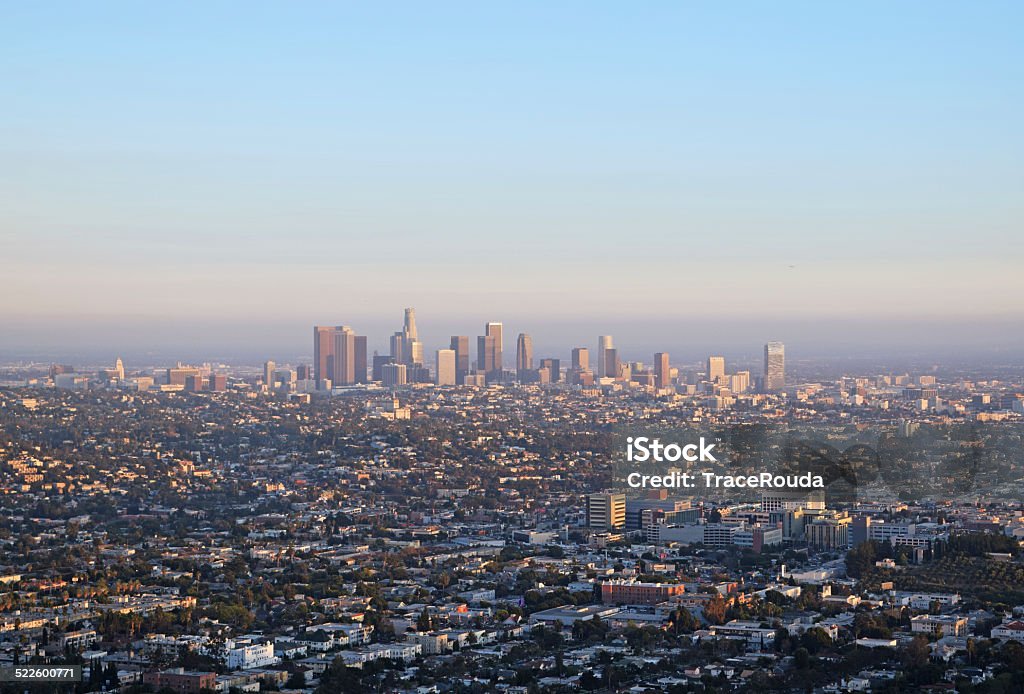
[774,366]
[524,357]
[406,347]
[409,327]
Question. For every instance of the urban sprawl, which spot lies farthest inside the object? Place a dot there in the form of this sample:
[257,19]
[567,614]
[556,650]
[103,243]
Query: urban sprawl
[392,523]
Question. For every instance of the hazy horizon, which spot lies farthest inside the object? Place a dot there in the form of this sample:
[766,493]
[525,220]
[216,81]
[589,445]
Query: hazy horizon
[153,341]
[215,179]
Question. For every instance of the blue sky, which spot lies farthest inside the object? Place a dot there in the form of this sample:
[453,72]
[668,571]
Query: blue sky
[214,163]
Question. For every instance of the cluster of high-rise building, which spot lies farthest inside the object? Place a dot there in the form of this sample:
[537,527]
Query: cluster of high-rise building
[340,359]
[339,356]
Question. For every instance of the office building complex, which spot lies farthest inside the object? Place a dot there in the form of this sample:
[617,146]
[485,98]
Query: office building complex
[632,592]
[553,368]
[393,375]
[830,530]
[339,355]
[606,511]
[379,360]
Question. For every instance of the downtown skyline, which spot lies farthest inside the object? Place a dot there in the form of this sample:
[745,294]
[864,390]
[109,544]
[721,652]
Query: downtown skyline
[152,340]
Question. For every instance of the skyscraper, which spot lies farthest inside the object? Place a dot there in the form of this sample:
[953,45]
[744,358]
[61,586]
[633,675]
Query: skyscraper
[485,354]
[323,348]
[268,374]
[739,382]
[393,375]
[580,359]
[351,367]
[554,367]
[445,367]
[406,347]
[495,330]
[379,360]
[460,344]
[604,343]
[360,359]
[716,368]
[611,363]
[774,366]
[399,353]
[524,357]
[119,369]
[344,357]
[409,326]
[415,356]
[661,370]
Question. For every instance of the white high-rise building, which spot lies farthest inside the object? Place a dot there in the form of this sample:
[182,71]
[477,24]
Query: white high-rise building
[716,368]
[445,367]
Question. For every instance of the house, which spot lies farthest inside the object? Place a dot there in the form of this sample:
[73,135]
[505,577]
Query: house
[1012,630]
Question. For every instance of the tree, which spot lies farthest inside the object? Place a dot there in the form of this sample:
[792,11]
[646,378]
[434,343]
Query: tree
[714,610]
[917,652]
[815,639]
[297,680]
[423,623]
[682,621]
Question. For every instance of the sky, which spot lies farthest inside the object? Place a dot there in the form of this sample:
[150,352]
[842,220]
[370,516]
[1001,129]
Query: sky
[215,178]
